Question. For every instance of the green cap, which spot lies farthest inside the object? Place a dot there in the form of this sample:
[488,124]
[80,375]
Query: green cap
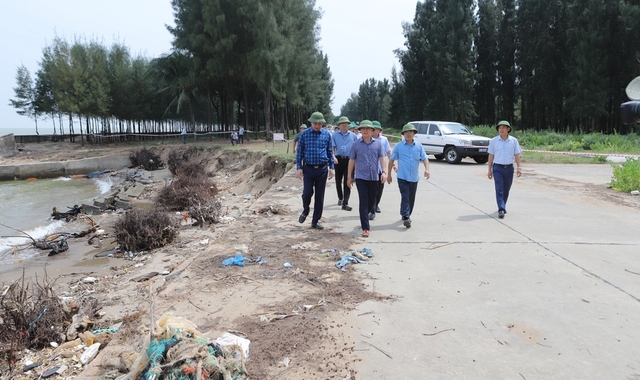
[353,125]
[303,126]
[408,127]
[317,117]
[376,124]
[366,124]
[505,123]
[343,119]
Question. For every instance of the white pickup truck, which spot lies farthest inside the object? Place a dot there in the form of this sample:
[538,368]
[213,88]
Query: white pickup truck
[451,141]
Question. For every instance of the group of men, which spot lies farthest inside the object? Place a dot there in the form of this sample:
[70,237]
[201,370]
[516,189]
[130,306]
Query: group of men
[367,160]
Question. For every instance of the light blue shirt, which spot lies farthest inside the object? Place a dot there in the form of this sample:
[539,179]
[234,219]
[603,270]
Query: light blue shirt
[386,147]
[504,151]
[343,142]
[367,158]
[409,158]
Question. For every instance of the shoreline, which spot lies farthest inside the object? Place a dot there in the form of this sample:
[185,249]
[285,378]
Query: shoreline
[54,169]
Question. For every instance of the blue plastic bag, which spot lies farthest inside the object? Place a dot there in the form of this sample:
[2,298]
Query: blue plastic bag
[237,260]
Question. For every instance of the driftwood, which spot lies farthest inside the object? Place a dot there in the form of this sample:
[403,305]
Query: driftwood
[68,215]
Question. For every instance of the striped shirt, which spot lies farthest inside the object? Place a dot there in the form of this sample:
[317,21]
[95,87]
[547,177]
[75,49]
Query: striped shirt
[314,148]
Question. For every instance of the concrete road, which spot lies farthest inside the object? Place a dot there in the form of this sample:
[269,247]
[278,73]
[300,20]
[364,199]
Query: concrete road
[550,292]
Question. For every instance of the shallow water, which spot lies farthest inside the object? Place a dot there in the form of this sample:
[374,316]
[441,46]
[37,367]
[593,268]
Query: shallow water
[27,206]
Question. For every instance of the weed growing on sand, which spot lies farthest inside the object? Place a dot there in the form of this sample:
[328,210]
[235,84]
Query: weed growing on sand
[140,230]
[146,159]
[31,316]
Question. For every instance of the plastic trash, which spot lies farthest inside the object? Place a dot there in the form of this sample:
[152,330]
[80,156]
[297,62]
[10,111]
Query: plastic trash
[89,353]
[346,259]
[288,265]
[237,260]
[367,252]
[228,339]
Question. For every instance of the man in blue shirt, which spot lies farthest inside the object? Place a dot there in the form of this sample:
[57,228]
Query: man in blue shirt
[377,134]
[241,134]
[409,154]
[503,149]
[366,157]
[314,161]
[342,141]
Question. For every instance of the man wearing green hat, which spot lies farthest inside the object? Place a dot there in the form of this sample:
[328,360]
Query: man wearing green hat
[295,139]
[503,150]
[409,154]
[314,161]
[342,141]
[365,158]
[377,134]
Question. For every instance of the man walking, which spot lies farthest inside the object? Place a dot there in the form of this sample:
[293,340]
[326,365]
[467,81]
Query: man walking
[314,161]
[377,134]
[409,154]
[241,134]
[503,150]
[366,157]
[342,141]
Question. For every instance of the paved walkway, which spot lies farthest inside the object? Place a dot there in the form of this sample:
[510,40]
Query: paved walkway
[550,292]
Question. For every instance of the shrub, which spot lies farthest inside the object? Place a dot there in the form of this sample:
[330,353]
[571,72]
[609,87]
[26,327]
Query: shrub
[626,177]
[146,159]
[140,230]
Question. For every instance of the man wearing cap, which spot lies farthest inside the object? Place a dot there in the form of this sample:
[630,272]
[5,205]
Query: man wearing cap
[342,141]
[314,161]
[503,150]
[409,154]
[366,156]
[295,139]
[377,134]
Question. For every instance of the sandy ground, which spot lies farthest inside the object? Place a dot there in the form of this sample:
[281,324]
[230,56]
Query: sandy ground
[298,315]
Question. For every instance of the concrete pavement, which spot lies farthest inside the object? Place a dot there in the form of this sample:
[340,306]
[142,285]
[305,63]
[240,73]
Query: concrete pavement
[550,292]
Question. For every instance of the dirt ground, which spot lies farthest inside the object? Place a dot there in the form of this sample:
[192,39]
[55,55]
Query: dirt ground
[297,319]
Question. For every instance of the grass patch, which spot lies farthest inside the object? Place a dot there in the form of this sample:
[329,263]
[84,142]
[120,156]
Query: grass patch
[626,176]
[554,158]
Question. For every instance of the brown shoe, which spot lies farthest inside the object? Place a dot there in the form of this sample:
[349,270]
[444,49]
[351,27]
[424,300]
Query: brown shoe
[365,233]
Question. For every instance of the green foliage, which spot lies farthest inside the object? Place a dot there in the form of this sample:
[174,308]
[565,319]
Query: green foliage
[626,176]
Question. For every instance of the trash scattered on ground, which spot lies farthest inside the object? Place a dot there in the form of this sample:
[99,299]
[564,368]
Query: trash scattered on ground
[297,312]
[179,351]
[237,260]
[367,252]
[347,259]
[288,265]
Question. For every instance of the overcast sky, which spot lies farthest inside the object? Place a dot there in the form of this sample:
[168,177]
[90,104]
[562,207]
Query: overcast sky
[359,37]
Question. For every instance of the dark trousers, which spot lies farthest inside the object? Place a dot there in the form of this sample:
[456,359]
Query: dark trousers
[380,190]
[341,180]
[502,179]
[367,192]
[314,180]
[241,137]
[407,197]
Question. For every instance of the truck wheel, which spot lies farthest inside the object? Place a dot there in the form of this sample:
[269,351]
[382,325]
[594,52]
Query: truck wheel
[452,156]
[439,157]
[481,159]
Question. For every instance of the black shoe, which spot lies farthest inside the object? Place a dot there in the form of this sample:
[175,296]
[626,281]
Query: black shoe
[347,208]
[302,218]
[407,222]
[317,226]
[339,202]
[372,215]
[501,214]
[378,209]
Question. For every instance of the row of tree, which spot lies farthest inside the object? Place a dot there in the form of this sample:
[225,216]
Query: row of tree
[560,65]
[249,62]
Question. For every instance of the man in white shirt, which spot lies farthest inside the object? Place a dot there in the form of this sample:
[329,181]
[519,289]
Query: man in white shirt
[503,150]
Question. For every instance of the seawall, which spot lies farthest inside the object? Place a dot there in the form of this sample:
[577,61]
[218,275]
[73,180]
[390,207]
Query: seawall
[63,168]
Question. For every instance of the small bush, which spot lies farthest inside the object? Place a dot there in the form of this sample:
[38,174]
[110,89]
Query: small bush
[140,230]
[626,177]
[146,159]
